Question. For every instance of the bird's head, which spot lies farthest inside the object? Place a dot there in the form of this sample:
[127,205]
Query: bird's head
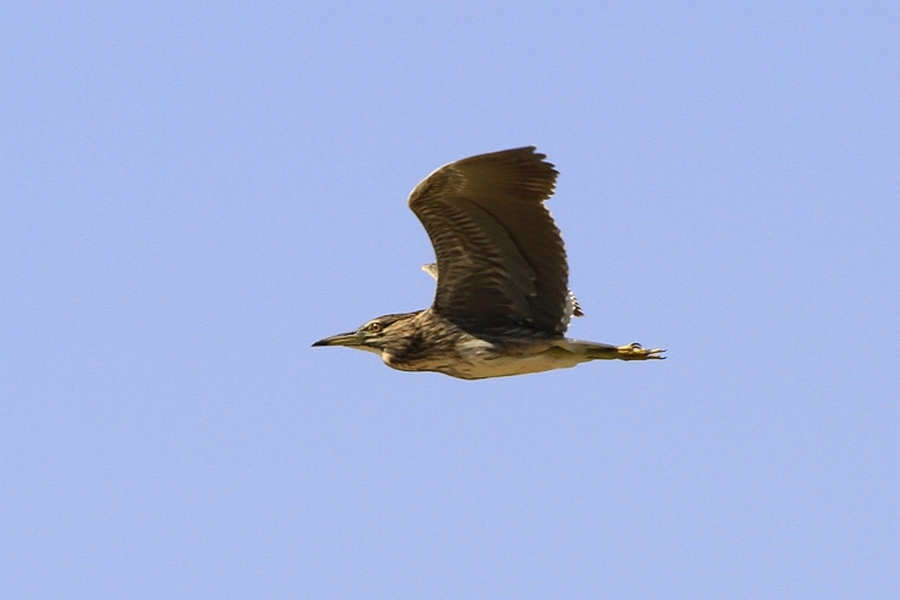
[384,333]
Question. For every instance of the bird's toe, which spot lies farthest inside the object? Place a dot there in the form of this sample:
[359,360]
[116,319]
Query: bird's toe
[635,351]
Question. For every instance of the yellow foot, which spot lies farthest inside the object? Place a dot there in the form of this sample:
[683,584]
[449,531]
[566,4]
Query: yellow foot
[637,352]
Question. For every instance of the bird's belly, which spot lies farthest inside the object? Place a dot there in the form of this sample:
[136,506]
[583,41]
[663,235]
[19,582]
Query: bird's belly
[479,359]
[482,360]
[505,366]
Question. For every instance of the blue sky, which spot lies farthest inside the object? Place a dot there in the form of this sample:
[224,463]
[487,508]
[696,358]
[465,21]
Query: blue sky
[192,193]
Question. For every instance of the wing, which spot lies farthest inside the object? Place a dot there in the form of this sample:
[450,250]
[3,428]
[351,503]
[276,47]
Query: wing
[573,309]
[499,253]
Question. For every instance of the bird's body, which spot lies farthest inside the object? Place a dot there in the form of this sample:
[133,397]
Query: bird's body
[477,350]
[502,304]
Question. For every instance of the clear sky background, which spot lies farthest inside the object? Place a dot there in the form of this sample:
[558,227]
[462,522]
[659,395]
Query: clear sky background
[193,193]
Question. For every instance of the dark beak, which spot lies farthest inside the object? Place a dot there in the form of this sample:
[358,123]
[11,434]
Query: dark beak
[351,338]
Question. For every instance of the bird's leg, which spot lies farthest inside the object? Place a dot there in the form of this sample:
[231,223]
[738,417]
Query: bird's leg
[637,352]
[594,351]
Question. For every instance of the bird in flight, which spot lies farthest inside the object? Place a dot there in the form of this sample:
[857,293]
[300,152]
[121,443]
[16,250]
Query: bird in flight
[502,304]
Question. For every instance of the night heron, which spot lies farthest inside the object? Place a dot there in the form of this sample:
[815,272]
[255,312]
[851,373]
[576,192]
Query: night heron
[502,304]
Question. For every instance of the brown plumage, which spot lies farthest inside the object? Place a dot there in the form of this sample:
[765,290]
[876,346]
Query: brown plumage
[499,253]
[502,304]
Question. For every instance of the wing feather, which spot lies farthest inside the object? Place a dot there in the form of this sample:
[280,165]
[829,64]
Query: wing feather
[499,253]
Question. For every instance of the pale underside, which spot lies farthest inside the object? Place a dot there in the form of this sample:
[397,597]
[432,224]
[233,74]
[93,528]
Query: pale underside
[478,359]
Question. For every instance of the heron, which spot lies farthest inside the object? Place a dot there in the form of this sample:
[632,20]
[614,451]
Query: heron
[502,303]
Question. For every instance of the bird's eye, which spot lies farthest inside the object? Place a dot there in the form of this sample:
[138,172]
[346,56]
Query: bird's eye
[374,327]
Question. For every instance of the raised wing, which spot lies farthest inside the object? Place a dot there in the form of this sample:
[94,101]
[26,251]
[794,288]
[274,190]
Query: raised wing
[499,253]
